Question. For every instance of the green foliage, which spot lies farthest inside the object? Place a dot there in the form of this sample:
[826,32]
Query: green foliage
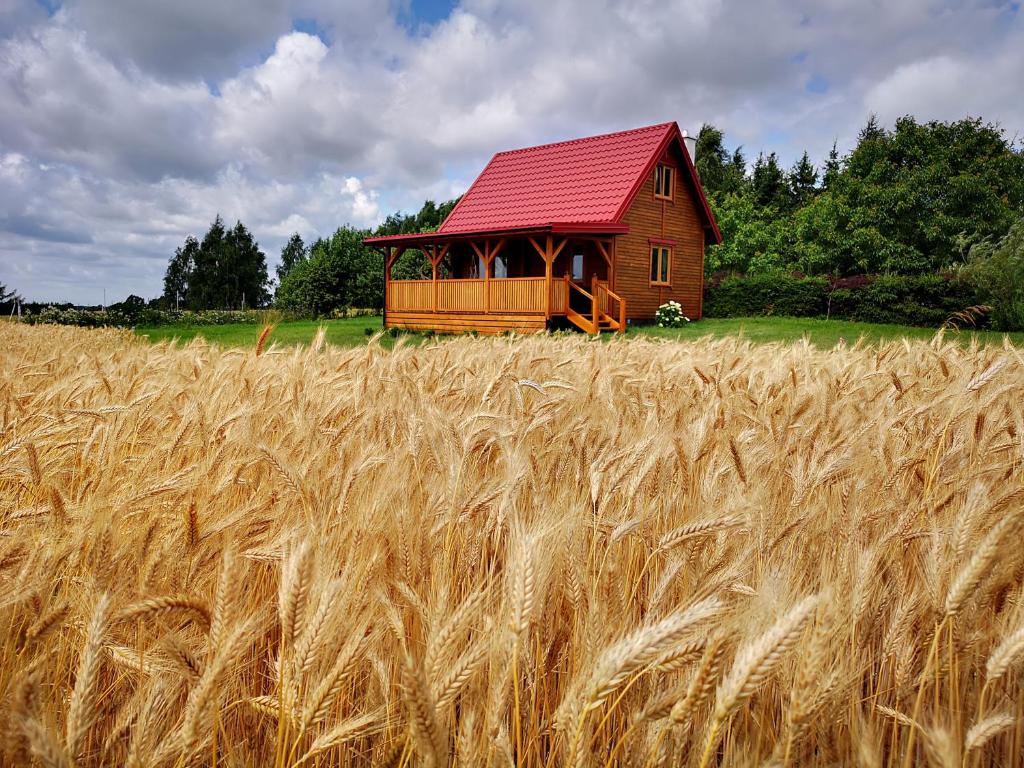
[904,198]
[340,272]
[414,265]
[227,270]
[755,240]
[757,295]
[670,315]
[996,269]
[919,300]
[719,173]
[294,252]
[924,300]
[903,202]
[131,314]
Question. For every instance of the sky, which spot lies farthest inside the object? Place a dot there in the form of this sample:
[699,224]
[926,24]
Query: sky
[127,125]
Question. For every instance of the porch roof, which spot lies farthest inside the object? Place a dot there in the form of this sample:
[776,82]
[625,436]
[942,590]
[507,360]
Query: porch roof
[560,228]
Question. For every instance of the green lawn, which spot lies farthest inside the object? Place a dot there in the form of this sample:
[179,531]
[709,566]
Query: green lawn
[352,332]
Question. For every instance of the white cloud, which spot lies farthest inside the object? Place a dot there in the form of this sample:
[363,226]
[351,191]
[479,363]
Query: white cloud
[128,124]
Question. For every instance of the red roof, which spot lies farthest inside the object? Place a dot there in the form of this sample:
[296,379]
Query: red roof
[583,184]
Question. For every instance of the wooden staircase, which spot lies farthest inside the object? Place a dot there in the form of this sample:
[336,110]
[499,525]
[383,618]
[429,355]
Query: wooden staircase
[600,317]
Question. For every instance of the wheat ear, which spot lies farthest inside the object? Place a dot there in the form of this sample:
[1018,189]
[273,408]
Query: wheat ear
[155,606]
[985,730]
[80,712]
[1008,653]
[969,577]
[753,664]
[431,744]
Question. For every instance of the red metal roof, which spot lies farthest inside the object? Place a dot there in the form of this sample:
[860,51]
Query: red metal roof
[584,183]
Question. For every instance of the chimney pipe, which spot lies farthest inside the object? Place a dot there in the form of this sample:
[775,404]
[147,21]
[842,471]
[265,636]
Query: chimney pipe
[690,142]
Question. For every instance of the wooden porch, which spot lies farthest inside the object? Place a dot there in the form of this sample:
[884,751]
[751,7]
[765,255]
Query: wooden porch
[490,304]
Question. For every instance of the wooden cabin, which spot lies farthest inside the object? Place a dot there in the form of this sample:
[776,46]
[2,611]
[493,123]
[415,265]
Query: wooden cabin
[592,233]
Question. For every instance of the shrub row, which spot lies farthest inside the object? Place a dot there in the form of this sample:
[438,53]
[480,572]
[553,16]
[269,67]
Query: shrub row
[924,300]
[129,316]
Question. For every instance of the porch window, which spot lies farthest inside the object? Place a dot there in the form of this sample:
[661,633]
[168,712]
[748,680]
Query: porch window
[663,178]
[500,267]
[577,266]
[661,259]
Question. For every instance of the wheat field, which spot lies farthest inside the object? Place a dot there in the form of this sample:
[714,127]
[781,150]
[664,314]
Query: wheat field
[537,552]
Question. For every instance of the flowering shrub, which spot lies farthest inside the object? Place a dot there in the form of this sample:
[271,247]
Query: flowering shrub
[670,315]
[120,317]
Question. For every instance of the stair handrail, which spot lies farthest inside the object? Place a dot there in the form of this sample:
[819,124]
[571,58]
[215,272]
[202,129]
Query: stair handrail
[622,305]
[581,290]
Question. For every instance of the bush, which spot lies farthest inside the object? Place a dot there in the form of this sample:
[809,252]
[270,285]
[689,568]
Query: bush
[923,300]
[996,270]
[754,295]
[116,316]
[670,315]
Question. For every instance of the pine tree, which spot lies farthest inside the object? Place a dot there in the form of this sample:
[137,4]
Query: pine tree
[768,183]
[803,180]
[832,168]
[871,131]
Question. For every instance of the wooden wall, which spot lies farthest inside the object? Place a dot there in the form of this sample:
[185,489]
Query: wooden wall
[676,220]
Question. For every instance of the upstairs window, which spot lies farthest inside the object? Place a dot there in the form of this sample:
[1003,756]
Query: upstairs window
[663,180]
[661,259]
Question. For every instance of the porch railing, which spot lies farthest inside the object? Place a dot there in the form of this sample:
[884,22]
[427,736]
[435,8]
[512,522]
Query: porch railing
[511,295]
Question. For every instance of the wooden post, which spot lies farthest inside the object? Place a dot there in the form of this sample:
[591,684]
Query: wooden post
[433,277]
[548,261]
[387,279]
[487,277]
[594,311]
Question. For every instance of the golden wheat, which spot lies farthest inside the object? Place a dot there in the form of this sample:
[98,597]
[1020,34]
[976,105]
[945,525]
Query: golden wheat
[533,551]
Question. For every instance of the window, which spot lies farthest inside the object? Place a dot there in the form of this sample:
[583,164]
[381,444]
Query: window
[661,258]
[663,178]
[577,266]
[500,267]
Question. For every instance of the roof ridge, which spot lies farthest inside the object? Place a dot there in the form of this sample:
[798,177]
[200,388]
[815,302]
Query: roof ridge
[582,139]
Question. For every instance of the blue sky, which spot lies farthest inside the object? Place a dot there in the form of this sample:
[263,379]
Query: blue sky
[129,124]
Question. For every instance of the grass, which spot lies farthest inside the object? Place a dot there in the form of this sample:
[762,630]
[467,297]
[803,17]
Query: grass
[821,333]
[485,552]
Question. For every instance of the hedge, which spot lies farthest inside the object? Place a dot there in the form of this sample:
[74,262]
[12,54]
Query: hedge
[923,300]
[131,317]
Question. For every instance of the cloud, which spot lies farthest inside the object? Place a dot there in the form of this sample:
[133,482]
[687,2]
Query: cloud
[129,124]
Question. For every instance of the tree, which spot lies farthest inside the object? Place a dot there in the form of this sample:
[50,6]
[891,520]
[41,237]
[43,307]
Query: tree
[803,180]
[340,272]
[719,172]
[227,270]
[179,271]
[768,183]
[996,267]
[8,295]
[413,265]
[246,278]
[904,198]
[294,252]
[871,130]
[832,168]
